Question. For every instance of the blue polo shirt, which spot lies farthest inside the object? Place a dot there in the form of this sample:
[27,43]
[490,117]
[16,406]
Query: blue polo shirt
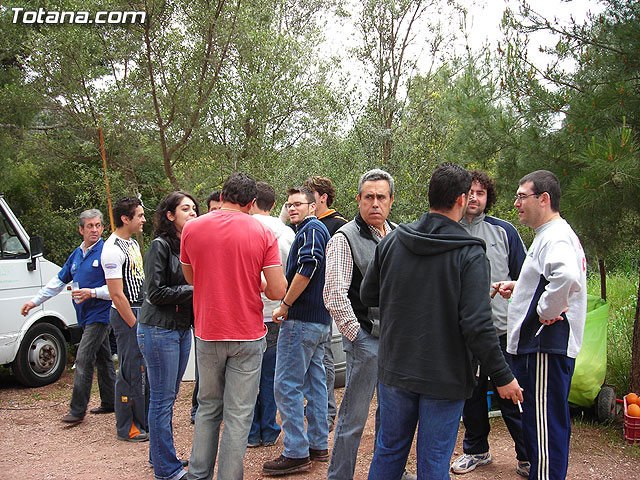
[87,271]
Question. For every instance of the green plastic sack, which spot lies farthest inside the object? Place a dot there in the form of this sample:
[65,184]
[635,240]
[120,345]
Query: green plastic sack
[591,364]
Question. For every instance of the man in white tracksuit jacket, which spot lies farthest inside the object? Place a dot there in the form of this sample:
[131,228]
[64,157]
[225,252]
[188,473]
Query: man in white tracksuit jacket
[546,323]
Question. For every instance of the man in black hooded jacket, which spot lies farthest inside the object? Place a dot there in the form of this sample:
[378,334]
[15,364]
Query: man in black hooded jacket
[429,279]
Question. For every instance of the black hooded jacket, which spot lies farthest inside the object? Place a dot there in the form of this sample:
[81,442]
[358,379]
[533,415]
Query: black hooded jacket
[430,279]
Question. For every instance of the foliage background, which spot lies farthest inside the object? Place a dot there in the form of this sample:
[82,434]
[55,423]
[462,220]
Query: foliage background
[205,88]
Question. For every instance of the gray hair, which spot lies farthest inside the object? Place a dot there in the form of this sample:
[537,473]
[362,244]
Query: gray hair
[374,175]
[91,213]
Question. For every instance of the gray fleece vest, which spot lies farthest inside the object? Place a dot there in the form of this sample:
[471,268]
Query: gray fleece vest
[362,250]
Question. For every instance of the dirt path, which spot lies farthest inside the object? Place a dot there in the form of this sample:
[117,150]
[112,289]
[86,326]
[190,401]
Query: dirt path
[35,445]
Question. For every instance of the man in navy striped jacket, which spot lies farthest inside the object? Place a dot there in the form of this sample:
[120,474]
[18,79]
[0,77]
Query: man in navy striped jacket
[306,324]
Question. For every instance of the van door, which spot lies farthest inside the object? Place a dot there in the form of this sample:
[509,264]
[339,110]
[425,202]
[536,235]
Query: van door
[17,284]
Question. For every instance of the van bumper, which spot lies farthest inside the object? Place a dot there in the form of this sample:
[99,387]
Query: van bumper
[9,347]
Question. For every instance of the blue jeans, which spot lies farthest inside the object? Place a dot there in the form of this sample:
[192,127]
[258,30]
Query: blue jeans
[93,352]
[229,378]
[437,420]
[264,427]
[299,374]
[166,353]
[330,370]
[361,379]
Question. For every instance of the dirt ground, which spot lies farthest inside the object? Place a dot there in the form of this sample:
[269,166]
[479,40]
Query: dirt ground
[36,445]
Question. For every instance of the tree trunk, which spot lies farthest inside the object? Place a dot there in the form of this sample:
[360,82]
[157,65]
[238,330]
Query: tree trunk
[634,381]
[603,279]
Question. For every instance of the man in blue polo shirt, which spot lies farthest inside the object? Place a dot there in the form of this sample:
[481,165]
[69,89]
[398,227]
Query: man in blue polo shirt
[92,304]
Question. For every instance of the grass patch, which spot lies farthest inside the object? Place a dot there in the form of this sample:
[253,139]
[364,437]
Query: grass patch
[622,289]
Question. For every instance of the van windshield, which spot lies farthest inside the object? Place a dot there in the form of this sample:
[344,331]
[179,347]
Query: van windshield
[10,244]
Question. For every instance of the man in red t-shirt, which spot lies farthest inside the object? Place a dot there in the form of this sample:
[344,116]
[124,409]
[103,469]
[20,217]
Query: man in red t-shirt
[224,253]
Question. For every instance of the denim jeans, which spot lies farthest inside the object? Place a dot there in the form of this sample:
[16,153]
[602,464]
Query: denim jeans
[166,353]
[132,394]
[229,378]
[299,374]
[476,420]
[93,351]
[437,420]
[264,427]
[361,379]
[330,370]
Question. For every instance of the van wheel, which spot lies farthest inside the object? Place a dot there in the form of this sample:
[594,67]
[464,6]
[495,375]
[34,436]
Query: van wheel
[42,356]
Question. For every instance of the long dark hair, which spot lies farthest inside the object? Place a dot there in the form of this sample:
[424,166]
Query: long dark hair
[165,227]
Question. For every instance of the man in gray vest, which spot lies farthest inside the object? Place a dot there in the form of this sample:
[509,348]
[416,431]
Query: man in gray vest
[348,254]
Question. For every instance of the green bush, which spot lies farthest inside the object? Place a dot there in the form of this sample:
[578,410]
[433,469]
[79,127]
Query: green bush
[622,290]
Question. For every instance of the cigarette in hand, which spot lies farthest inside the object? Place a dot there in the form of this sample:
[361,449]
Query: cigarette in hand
[519,406]
[539,330]
[495,290]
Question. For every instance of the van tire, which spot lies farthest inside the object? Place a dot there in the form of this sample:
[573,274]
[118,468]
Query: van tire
[42,356]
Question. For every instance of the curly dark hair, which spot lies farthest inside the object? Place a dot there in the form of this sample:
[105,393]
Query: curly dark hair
[488,184]
[165,227]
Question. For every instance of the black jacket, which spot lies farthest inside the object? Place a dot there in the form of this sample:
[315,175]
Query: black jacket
[168,299]
[430,279]
[332,220]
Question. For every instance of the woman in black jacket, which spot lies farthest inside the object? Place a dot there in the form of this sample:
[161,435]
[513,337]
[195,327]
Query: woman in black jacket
[164,334]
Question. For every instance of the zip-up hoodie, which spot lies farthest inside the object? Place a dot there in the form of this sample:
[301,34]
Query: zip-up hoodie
[430,279]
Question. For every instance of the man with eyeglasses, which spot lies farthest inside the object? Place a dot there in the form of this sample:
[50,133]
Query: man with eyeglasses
[545,323]
[506,253]
[93,304]
[306,324]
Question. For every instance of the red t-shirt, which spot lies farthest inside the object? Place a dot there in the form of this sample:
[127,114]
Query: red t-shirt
[227,251]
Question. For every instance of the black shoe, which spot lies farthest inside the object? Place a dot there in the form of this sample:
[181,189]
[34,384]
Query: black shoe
[72,419]
[141,437]
[185,463]
[319,455]
[284,465]
[101,410]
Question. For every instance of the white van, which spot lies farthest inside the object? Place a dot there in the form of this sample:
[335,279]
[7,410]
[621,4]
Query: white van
[36,345]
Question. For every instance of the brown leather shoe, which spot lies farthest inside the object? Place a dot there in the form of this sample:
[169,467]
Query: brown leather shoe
[285,465]
[319,455]
[71,419]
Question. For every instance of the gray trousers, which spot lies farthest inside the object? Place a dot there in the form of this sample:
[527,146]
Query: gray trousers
[93,352]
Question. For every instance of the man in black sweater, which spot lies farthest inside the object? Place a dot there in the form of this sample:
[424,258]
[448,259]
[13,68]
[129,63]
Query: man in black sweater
[430,279]
[325,194]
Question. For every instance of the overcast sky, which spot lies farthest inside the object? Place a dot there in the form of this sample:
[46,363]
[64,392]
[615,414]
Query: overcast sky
[483,25]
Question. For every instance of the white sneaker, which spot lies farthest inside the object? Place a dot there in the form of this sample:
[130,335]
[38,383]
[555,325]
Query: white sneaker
[466,463]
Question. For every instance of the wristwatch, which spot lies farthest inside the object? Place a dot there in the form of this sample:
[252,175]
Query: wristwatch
[93,293]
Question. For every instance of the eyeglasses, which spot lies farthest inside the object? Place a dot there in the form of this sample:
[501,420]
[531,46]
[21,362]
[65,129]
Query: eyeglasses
[296,204]
[521,196]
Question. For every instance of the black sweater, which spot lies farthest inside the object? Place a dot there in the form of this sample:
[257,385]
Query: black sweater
[430,279]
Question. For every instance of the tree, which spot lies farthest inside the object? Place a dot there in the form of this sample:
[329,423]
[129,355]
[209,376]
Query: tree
[594,149]
[391,32]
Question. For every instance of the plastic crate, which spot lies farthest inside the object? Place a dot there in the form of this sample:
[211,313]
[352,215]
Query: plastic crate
[631,426]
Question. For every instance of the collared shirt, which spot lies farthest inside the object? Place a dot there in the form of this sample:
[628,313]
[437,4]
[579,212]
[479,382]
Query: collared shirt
[339,273]
[55,285]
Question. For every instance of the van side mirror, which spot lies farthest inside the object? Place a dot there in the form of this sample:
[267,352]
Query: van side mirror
[36,247]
